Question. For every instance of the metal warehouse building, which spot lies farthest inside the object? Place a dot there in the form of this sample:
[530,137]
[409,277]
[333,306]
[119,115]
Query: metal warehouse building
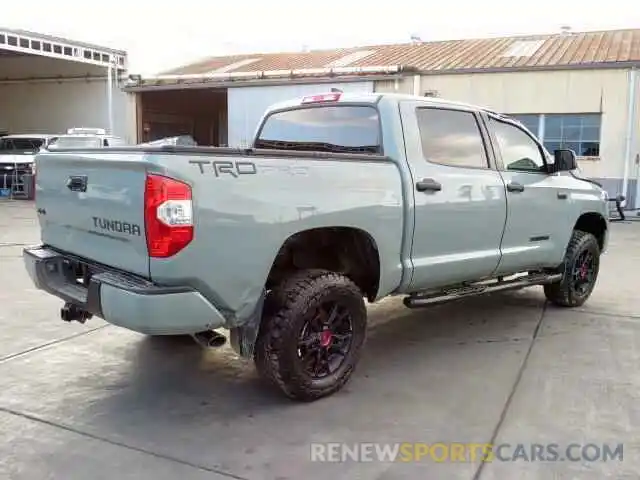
[50,84]
[578,90]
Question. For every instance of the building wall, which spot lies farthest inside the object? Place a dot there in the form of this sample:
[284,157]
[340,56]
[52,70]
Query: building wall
[53,107]
[560,92]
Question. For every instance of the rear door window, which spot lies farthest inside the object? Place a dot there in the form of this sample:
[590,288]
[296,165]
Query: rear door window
[341,129]
[451,137]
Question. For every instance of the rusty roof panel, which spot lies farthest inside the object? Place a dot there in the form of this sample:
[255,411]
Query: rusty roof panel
[568,49]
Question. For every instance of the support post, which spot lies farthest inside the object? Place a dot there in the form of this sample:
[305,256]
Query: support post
[110,95]
[628,144]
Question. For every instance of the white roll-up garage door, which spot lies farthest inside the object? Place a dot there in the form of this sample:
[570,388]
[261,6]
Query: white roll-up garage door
[246,105]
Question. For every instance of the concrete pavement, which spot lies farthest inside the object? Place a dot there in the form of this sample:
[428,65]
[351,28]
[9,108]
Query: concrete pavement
[96,401]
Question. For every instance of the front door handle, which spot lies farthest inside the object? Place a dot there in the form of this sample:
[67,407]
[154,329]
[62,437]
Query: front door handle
[562,195]
[515,187]
[428,185]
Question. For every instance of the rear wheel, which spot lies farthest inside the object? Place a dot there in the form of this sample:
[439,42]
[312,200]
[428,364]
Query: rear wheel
[311,336]
[581,267]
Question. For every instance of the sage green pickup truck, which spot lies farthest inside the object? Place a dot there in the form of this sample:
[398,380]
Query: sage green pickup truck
[342,198]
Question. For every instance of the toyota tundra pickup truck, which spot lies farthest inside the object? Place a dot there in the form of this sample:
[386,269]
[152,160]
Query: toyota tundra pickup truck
[341,200]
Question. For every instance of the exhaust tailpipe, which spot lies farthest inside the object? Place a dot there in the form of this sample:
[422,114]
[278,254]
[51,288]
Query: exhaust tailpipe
[71,312]
[210,339]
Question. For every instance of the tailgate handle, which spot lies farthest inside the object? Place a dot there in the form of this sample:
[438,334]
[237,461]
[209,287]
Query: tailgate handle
[77,183]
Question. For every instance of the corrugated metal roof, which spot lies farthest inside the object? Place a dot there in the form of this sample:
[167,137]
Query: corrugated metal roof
[559,50]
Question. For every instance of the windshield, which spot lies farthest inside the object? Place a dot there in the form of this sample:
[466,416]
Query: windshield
[76,142]
[9,145]
[344,129]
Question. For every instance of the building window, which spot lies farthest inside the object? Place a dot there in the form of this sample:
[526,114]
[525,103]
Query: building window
[578,132]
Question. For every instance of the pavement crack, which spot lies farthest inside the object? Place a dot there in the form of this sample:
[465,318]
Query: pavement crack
[13,244]
[49,344]
[514,388]
[116,443]
[613,315]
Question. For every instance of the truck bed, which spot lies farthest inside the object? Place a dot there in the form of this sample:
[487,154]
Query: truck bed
[246,203]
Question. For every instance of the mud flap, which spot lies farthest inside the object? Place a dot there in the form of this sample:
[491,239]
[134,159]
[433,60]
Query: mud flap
[243,338]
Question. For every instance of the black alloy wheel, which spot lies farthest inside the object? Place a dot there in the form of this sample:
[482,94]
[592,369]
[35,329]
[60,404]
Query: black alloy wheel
[580,267]
[325,340]
[312,334]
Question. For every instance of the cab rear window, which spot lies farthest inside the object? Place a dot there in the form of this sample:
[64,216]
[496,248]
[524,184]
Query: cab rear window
[340,129]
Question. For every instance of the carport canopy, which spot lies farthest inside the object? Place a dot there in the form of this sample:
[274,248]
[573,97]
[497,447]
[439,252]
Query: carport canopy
[28,58]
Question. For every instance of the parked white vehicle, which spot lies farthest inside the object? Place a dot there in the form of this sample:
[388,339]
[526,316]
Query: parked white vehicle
[85,138]
[17,154]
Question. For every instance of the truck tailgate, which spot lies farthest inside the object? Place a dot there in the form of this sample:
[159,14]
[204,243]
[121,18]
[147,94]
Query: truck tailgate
[93,206]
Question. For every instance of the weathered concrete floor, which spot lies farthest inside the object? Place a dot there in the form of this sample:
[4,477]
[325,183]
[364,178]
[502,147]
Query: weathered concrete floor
[95,401]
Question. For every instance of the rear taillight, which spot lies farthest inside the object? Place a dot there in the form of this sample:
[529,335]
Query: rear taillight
[168,215]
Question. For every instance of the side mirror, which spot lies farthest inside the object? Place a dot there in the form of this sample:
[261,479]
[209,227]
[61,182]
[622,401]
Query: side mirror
[564,160]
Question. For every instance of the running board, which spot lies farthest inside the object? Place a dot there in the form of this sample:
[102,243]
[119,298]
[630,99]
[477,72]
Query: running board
[434,297]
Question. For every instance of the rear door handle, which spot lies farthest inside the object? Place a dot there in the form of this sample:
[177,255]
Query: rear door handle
[562,195]
[428,185]
[515,187]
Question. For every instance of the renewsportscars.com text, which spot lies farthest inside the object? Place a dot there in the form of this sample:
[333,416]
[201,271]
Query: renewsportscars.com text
[466,452]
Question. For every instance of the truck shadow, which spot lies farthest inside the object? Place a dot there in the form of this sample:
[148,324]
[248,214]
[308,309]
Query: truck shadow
[167,395]
[169,377]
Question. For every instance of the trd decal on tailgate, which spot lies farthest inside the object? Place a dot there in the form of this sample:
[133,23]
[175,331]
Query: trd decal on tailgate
[219,167]
[118,226]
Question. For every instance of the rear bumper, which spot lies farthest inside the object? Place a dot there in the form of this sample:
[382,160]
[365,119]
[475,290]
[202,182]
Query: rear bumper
[122,299]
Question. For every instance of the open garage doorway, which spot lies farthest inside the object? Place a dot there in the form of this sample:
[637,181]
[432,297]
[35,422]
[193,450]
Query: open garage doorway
[199,113]
[49,85]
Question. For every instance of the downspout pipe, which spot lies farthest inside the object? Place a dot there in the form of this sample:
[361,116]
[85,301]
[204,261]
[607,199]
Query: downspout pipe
[110,96]
[416,84]
[628,144]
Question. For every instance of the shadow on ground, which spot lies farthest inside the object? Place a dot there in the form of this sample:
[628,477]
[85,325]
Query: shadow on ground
[168,396]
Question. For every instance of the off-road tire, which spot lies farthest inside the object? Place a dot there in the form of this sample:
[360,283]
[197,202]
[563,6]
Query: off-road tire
[274,302]
[287,308]
[562,293]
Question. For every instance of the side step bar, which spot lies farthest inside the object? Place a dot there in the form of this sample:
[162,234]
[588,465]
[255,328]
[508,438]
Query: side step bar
[435,297]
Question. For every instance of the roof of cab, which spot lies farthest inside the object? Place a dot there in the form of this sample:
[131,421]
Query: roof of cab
[373,98]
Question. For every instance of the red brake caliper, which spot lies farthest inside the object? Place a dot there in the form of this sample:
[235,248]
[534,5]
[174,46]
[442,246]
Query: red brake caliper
[325,338]
[583,269]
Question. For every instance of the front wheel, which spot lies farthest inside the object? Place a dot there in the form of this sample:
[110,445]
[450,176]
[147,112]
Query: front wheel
[581,267]
[309,345]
